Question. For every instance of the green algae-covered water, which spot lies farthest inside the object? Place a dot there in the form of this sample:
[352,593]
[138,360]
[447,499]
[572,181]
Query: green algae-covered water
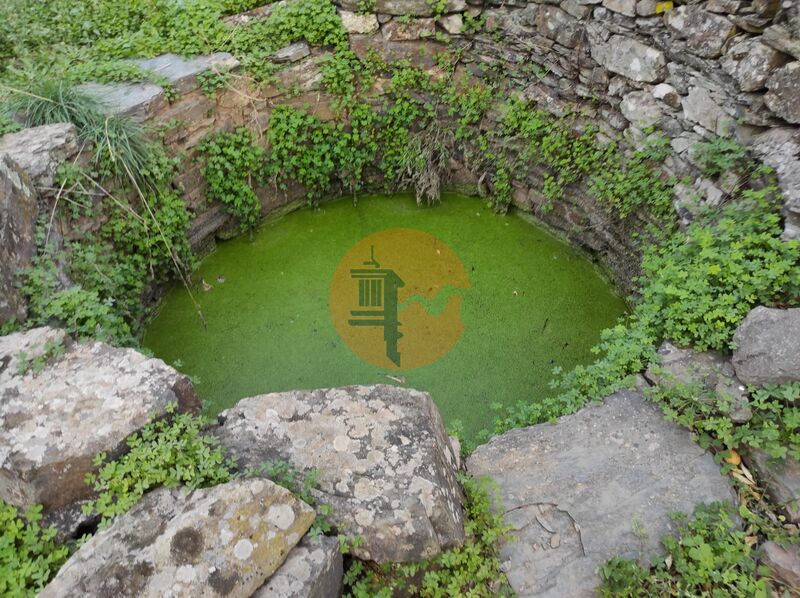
[532,303]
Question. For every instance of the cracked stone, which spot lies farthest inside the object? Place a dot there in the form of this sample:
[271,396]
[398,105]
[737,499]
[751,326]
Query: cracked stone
[750,63]
[40,150]
[574,492]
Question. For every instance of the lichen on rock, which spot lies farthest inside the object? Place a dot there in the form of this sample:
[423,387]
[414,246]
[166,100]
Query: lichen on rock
[218,541]
[88,399]
[384,461]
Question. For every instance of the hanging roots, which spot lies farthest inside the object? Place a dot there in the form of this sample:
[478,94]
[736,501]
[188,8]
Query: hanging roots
[426,162]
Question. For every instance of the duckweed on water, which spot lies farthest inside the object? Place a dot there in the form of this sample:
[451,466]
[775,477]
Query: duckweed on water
[533,303]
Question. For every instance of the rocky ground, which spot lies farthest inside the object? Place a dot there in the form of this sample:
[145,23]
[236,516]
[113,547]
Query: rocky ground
[593,485]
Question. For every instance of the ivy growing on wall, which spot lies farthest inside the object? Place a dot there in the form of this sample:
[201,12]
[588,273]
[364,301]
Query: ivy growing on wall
[232,164]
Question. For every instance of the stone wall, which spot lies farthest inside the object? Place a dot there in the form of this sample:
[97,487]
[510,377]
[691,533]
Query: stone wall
[719,67]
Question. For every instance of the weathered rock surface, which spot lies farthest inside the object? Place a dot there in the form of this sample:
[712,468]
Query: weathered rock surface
[699,106]
[313,569]
[220,541]
[630,58]
[768,346]
[576,491]
[358,23]
[415,8]
[39,150]
[555,24]
[181,73]
[453,24]
[292,53]
[781,478]
[784,563]
[385,462]
[782,39]
[398,31]
[87,400]
[705,32]
[750,62]
[783,97]
[625,7]
[138,100]
[780,149]
[706,370]
[18,212]
[640,109]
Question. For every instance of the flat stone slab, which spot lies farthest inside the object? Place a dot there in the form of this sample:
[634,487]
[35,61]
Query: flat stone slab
[89,399]
[313,569]
[220,541]
[292,53]
[142,100]
[385,462]
[597,484]
[181,73]
[138,100]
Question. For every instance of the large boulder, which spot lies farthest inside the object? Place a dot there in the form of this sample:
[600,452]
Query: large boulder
[18,212]
[61,403]
[768,346]
[384,461]
[221,541]
[40,150]
[313,569]
[597,484]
